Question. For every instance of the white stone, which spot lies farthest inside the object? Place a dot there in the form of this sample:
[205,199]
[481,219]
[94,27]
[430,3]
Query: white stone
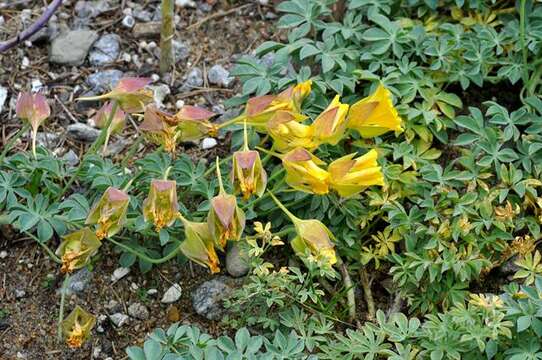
[119,273]
[128,22]
[152,292]
[155,77]
[159,93]
[179,104]
[25,63]
[172,294]
[185,3]
[208,143]
[3,97]
[119,319]
[36,85]
[3,254]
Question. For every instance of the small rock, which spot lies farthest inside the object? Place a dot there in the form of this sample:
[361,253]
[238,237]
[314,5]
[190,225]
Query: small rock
[142,15]
[128,21]
[72,47]
[172,294]
[96,352]
[113,306]
[228,115]
[104,80]
[182,50]
[36,85]
[119,319]
[173,314]
[19,294]
[116,147]
[207,298]
[25,63]
[208,143]
[105,51]
[3,97]
[119,273]
[179,104]
[71,158]
[90,9]
[159,93]
[83,132]
[236,261]
[218,75]
[205,7]
[146,30]
[263,2]
[47,140]
[138,311]
[134,286]
[185,3]
[3,254]
[193,79]
[78,282]
[2,20]
[152,292]
[270,15]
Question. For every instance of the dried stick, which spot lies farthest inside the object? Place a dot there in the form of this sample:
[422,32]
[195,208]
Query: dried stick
[368,294]
[34,28]
[350,295]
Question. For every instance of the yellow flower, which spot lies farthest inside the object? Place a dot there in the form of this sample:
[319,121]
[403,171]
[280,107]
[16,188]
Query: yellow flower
[288,133]
[198,245]
[109,213]
[303,172]
[77,248]
[193,123]
[77,326]
[296,94]
[130,93]
[349,176]
[161,206]
[312,235]
[375,114]
[330,125]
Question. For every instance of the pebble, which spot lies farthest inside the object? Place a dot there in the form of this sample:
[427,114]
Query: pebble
[104,80]
[185,3]
[182,50]
[90,9]
[105,51]
[218,75]
[25,63]
[3,254]
[159,93]
[116,147]
[83,132]
[19,294]
[152,292]
[113,306]
[179,104]
[138,311]
[172,294]
[208,143]
[2,20]
[119,319]
[207,298]
[36,85]
[128,21]
[119,273]
[145,30]
[193,79]
[3,97]
[71,48]
[46,139]
[71,158]
[78,282]
[236,262]
[142,15]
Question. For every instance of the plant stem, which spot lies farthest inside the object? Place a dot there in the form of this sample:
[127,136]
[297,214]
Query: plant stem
[167,56]
[45,247]
[219,175]
[13,139]
[104,149]
[211,169]
[522,6]
[131,151]
[350,294]
[91,151]
[144,257]
[62,301]
[368,294]
[232,121]
[292,217]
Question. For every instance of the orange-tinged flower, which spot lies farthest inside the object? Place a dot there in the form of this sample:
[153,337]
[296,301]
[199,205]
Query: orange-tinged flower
[193,123]
[375,114]
[77,248]
[303,172]
[260,109]
[296,94]
[130,93]
[102,116]
[160,128]
[77,326]
[330,125]
[198,245]
[248,175]
[288,133]
[312,235]
[349,176]
[109,213]
[32,108]
[161,206]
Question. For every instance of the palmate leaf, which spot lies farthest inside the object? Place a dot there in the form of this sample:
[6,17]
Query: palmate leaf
[11,187]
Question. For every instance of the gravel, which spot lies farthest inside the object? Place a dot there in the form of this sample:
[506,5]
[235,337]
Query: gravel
[128,21]
[138,311]
[83,132]
[105,51]
[119,319]
[119,273]
[207,298]
[219,76]
[172,294]
[71,48]
[3,97]
[102,81]
[208,143]
[78,282]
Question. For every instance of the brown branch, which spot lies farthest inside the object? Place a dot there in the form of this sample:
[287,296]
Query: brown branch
[350,294]
[368,294]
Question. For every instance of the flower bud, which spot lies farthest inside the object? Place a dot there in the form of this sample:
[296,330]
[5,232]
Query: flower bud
[330,125]
[375,114]
[76,327]
[161,206]
[288,133]
[303,172]
[32,108]
[109,213]
[159,127]
[349,176]
[77,248]
[193,123]
[130,93]
[102,116]
[248,175]
[225,219]
[198,245]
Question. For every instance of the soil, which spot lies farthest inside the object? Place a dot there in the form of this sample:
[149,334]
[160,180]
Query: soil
[28,322]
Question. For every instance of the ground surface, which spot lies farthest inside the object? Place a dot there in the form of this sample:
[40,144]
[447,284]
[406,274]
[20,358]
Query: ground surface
[29,281]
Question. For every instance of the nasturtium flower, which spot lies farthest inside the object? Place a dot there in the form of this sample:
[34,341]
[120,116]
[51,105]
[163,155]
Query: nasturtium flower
[248,175]
[349,176]
[330,125]
[198,245]
[289,133]
[109,213]
[161,206]
[32,108]
[225,219]
[303,172]
[375,114]
[160,128]
[296,94]
[76,327]
[101,118]
[193,123]
[77,248]
[311,235]
[130,93]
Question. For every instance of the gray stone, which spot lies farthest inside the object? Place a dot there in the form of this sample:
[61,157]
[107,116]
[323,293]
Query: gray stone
[90,9]
[119,319]
[138,311]
[185,3]
[172,294]
[104,80]
[71,48]
[47,140]
[113,306]
[218,75]
[119,273]
[116,147]
[128,21]
[207,298]
[182,50]
[208,143]
[3,97]
[79,282]
[236,261]
[142,15]
[19,293]
[146,30]
[105,51]
[159,93]
[193,79]
[83,132]
[71,158]
[228,115]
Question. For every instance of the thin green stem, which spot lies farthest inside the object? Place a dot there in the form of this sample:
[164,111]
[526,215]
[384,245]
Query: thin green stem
[245,136]
[106,142]
[62,301]
[219,175]
[292,217]
[166,174]
[34,136]
[131,152]
[45,247]
[13,139]
[144,257]
[211,169]
[232,121]
[522,6]
[270,152]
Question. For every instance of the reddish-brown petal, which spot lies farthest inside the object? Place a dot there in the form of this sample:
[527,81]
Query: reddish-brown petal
[194,113]
[163,185]
[258,104]
[41,107]
[116,194]
[224,207]
[153,119]
[246,159]
[286,95]
[25,106]
[131,84]
[326,121]
[298,154]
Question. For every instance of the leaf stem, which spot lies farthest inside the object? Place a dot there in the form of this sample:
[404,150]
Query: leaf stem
[522,30]
[45,247]
[144,257]
[13,139]
[62,301]
[292,217]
